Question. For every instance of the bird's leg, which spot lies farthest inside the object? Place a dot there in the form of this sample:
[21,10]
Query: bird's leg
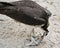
[35,40]
[32,40]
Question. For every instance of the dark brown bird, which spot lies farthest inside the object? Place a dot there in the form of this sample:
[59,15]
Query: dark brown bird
[27,12]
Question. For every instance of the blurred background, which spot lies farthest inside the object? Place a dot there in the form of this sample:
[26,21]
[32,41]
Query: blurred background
[11,32]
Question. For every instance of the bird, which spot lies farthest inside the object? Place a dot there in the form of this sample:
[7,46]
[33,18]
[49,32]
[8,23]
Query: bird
[27,12]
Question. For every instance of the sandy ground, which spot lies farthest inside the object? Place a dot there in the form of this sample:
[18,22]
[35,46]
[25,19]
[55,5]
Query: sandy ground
[12,33]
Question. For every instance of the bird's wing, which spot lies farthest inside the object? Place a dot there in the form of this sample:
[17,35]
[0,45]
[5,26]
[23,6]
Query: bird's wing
[4,4]
[33,13]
